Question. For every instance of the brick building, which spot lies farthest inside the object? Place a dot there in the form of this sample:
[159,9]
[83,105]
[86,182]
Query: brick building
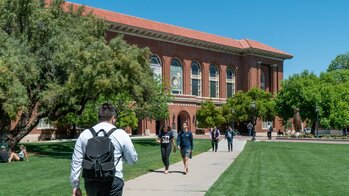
[198,66]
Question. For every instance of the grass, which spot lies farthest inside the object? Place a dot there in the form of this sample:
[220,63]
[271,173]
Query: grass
[48,170]
[281,168]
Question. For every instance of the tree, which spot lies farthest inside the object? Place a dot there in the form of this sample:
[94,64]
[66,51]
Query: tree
[243,112]
[300,91]
[54,62]
[334,105]
[340,62]
[209,115]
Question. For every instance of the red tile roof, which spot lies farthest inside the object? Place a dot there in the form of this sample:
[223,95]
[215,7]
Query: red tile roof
[179,31]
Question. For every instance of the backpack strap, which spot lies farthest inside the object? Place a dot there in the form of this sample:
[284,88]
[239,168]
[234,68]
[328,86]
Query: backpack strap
[111,132]
[93,132]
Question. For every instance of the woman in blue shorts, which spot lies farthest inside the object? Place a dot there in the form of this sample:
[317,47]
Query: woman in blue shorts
[185,145]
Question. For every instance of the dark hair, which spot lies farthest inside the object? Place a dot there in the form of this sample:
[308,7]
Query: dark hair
[106,112]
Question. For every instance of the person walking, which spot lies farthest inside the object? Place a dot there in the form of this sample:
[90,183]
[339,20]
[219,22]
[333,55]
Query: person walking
[270,129]
[165,138]
[214,137]
[123,148]
[229,136]
[185,145]
[249,128]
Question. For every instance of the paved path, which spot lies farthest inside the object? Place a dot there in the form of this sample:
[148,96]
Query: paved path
[204,170]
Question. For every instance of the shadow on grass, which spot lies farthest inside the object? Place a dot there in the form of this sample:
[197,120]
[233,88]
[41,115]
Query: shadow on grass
[145,142]
[62,150]
[171,172]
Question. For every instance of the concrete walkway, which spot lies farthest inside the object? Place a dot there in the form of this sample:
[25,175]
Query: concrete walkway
[204,170]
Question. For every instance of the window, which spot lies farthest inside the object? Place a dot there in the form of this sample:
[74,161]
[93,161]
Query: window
[176,77]
[155,65]
[195,79]
[230,82]
[262,81]
[44,124]
[214,81]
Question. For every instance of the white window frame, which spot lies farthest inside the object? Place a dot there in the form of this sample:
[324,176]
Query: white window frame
[43,124]
[231,81]
[214,79]
[262,80]
[156,76]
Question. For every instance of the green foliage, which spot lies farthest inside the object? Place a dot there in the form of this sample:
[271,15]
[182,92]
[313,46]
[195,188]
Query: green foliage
[241,104]
[209,115]
[306,91]
[340,62]
[299,91]
[54,63]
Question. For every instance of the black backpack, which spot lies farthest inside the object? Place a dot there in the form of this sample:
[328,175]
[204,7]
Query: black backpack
[98,162]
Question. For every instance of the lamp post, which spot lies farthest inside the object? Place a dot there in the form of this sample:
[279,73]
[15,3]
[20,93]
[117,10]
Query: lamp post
[317,120]
[233,111]
[253,107]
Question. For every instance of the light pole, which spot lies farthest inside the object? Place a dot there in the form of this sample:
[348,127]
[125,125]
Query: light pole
[233,111]
[253,107]
[317,121]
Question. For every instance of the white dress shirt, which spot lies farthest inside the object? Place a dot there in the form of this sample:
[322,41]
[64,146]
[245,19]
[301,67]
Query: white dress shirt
[123,147]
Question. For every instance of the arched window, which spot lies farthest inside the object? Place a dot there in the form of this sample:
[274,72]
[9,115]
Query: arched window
[230,82]
[262,81]
[195,79]
[156,66]
[214,81]
[176,77]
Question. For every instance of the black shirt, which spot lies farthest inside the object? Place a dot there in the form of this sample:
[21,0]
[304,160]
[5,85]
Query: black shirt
[3,157]
[165,137]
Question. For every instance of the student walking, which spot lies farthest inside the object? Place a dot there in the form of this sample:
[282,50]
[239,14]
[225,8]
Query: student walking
[229,135]
[119,147]
[185,145]
[214,137]
[165,138]
[249,128]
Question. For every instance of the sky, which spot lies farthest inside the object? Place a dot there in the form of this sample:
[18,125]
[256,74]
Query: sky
[313,31]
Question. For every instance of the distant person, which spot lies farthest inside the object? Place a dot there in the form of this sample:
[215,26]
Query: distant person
[3,155]
[229,136]
[106,180]
[249,128]
[165,138]
[214,137]
[21,156]
[185,145]
[270,129]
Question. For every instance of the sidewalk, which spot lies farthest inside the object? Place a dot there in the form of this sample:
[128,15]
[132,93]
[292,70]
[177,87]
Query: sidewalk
[204,170]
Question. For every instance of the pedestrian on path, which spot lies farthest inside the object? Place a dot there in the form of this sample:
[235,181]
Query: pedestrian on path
[229,135]
[214,137]
[165,138]
[249,128]
[185,145]
[122,149]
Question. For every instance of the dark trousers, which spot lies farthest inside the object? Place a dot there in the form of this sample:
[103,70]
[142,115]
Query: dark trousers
[269,135]
[113,187]
[165,154]
[214,144]
[230,144]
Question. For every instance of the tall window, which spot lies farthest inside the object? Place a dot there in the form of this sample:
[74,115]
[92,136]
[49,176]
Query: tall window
[155,65]
[230,82]
[195,79]
[262,81]
[176,77]
[214,81]
[44,124]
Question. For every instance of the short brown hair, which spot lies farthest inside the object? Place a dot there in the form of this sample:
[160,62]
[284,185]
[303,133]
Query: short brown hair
[106,112]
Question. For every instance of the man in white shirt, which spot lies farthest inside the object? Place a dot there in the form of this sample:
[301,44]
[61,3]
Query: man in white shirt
[123,148]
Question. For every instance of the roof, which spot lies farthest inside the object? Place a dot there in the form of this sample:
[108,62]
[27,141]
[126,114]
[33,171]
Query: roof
[244,44]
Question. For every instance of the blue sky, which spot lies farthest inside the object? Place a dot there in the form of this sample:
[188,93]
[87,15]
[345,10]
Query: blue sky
[313,31]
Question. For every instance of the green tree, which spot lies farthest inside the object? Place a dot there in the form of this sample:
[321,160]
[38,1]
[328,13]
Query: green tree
[244,113]
[340,62]
[334,90]
[54,62]
[300,91]
[209,115]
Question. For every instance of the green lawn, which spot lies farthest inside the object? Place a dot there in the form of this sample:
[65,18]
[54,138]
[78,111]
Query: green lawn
[47,172]
[281,168]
